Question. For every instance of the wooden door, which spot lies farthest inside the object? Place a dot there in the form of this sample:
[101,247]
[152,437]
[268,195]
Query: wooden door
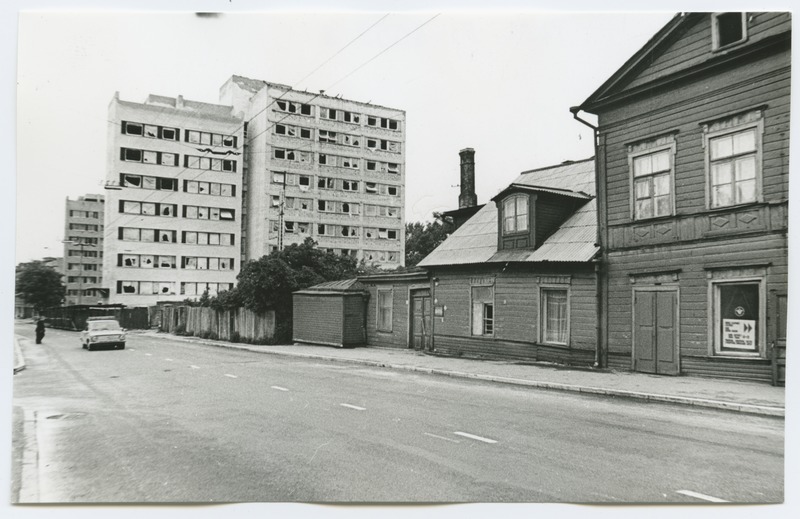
[655,332]
[421,320]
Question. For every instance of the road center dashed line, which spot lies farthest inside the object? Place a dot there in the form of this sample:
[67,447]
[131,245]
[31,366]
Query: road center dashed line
[149,354]
[351,406]
[441,438]
[231,376]
[472,436]
[279,388]
[169,360]
[193,366]
[698,495]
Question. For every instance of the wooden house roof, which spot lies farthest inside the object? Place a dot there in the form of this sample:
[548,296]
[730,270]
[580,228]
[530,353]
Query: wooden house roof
[575,240]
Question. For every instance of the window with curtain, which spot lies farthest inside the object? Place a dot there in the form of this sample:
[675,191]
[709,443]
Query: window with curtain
[515,214]
[555,321]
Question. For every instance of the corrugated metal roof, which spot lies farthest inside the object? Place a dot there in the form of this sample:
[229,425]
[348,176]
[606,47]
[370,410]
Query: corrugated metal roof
[345,285]
[476,240]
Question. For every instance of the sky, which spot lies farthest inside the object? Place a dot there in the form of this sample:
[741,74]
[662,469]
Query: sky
[500,83]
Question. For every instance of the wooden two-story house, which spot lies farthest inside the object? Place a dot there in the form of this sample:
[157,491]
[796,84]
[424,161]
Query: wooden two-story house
[692,186]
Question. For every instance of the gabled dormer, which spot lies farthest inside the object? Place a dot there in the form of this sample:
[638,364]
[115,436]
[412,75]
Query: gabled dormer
[527,215]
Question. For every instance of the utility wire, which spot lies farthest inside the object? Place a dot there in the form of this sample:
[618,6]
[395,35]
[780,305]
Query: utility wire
[314,96]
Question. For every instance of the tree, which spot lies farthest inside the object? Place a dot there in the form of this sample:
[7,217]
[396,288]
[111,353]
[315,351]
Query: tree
[39,285]
[268,283]
[421,238]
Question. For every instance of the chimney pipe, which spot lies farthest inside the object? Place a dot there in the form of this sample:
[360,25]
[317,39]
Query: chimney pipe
[467,197]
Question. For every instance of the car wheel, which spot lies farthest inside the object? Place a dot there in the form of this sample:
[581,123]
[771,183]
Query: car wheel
[83,345]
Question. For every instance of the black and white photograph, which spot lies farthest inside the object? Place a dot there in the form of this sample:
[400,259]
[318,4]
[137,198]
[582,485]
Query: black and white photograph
[397,258]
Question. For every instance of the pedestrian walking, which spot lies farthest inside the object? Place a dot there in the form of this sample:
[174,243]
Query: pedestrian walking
[39,331]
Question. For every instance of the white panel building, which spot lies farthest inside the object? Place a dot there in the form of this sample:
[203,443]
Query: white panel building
[321,167]
[174,200]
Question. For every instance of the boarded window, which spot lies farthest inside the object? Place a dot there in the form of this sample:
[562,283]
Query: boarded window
[385,310]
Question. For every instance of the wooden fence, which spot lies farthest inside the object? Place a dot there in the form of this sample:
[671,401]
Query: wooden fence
[74,317]
[227,325]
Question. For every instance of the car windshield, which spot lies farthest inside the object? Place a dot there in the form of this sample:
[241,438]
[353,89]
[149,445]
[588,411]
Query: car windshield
[103,325]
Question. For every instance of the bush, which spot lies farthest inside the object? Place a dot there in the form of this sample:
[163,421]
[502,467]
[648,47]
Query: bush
[235,337]
[180,329]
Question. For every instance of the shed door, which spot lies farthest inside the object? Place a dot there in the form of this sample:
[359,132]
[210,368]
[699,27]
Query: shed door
[655,327]
[421,320]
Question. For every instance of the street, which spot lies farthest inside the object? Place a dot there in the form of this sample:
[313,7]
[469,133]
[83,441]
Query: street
[168,421]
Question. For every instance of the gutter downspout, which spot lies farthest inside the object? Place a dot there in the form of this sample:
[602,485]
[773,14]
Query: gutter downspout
[601,349]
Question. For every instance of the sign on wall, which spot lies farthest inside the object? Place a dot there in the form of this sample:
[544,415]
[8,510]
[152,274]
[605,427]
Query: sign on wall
[739,334]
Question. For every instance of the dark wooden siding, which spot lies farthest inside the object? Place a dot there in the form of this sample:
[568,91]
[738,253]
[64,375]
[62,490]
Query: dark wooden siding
[683,110]
[516,311]
[398,337]
[551,212]
[692,46]
[692,261]
[318,319]
[353,330]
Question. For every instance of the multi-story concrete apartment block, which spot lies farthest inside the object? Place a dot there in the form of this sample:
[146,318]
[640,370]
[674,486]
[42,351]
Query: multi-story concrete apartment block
[321,167]
[83,250]
[174,203]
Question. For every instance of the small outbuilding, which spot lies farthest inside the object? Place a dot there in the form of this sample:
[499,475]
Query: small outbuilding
[331,313]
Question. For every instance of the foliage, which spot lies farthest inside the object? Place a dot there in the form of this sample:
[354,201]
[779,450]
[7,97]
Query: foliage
[39,285]
[268,283]
[421,238]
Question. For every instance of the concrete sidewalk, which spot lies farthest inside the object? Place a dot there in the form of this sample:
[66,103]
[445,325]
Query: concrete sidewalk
[731,395]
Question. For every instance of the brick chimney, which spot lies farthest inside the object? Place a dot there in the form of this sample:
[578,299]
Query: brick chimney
[467,198]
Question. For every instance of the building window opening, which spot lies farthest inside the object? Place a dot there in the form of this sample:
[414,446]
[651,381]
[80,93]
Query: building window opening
[515,214]
[738,323]
[385,310]
[554,316]
[729,28]
[483,311]
[733,168]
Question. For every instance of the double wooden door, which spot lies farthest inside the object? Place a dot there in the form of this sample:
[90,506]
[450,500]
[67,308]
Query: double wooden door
[655,331]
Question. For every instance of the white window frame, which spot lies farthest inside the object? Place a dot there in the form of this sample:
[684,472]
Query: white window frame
[516,229]
[651,147]
[753,119]
[715,44]
[733,278]
[483,312]
[544,290]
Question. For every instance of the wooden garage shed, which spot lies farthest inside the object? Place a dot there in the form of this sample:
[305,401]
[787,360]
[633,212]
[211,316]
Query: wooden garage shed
[331,313]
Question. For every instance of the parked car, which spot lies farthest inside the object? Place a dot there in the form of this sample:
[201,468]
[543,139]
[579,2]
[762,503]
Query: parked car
[102,332]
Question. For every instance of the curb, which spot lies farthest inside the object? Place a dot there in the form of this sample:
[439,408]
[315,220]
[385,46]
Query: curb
[18,356]
[621,393]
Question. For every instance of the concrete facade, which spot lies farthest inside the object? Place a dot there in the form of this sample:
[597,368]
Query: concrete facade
[320,167]
[174,200]
[83,250]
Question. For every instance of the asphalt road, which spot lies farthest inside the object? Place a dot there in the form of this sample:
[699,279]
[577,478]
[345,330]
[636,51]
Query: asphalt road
[166,421]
